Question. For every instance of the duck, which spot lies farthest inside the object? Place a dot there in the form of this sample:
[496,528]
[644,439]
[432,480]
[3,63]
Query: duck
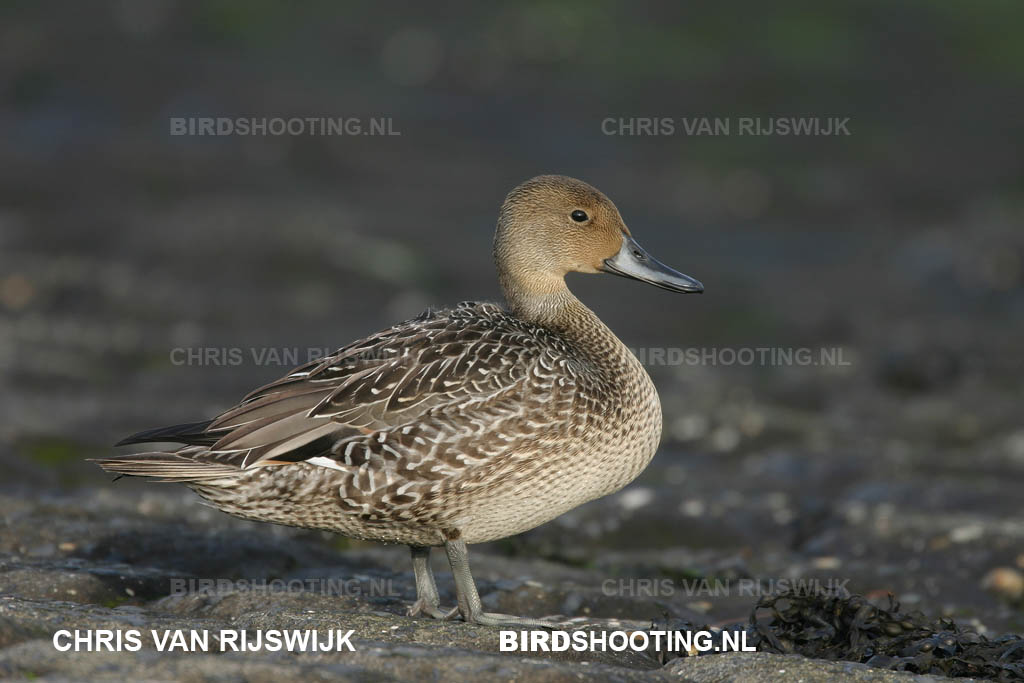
[463,425]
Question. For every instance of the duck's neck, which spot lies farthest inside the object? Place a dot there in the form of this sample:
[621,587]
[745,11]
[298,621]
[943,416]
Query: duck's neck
[546,301]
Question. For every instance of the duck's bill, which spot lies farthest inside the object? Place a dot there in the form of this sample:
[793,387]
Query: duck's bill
[633,261]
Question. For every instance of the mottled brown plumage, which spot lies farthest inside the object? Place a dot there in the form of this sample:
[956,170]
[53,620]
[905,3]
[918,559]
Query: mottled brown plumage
[460,426]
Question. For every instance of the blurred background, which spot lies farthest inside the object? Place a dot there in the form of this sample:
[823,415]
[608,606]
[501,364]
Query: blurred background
[123,247]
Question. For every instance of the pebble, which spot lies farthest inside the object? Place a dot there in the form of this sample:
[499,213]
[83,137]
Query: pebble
[692,508]
[967,533]
[636,498]
[827,562]
[1006,582]
[1015,446]
[725,439]
[690,427]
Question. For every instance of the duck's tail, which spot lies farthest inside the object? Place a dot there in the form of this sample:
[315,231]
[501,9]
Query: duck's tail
[193,433]
[183,466]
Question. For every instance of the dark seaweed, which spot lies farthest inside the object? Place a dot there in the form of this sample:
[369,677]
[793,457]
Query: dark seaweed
[850,628]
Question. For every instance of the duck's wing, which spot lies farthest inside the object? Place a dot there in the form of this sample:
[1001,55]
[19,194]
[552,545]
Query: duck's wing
[440,367]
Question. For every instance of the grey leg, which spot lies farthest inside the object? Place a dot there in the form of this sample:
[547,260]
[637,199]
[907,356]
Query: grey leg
[470,607]
[427,600]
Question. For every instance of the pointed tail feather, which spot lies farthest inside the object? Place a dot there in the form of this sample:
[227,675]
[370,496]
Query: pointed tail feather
[189,433]
[167,467]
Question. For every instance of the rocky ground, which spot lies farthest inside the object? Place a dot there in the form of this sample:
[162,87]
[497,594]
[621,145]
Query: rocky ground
[115,559]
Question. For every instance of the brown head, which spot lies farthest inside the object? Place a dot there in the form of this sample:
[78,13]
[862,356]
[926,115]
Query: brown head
[552,225]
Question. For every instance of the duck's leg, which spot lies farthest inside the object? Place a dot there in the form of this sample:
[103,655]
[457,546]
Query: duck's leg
[427,600]
[470,606]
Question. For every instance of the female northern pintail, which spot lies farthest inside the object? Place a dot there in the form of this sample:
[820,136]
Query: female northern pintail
[460,426]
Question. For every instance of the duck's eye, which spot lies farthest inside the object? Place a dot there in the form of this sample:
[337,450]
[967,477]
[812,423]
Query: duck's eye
[578,215]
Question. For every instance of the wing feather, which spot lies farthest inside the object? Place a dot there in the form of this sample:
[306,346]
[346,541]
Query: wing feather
[440,362]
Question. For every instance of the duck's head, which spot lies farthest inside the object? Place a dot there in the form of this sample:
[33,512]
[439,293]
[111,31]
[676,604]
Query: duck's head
[552,225]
